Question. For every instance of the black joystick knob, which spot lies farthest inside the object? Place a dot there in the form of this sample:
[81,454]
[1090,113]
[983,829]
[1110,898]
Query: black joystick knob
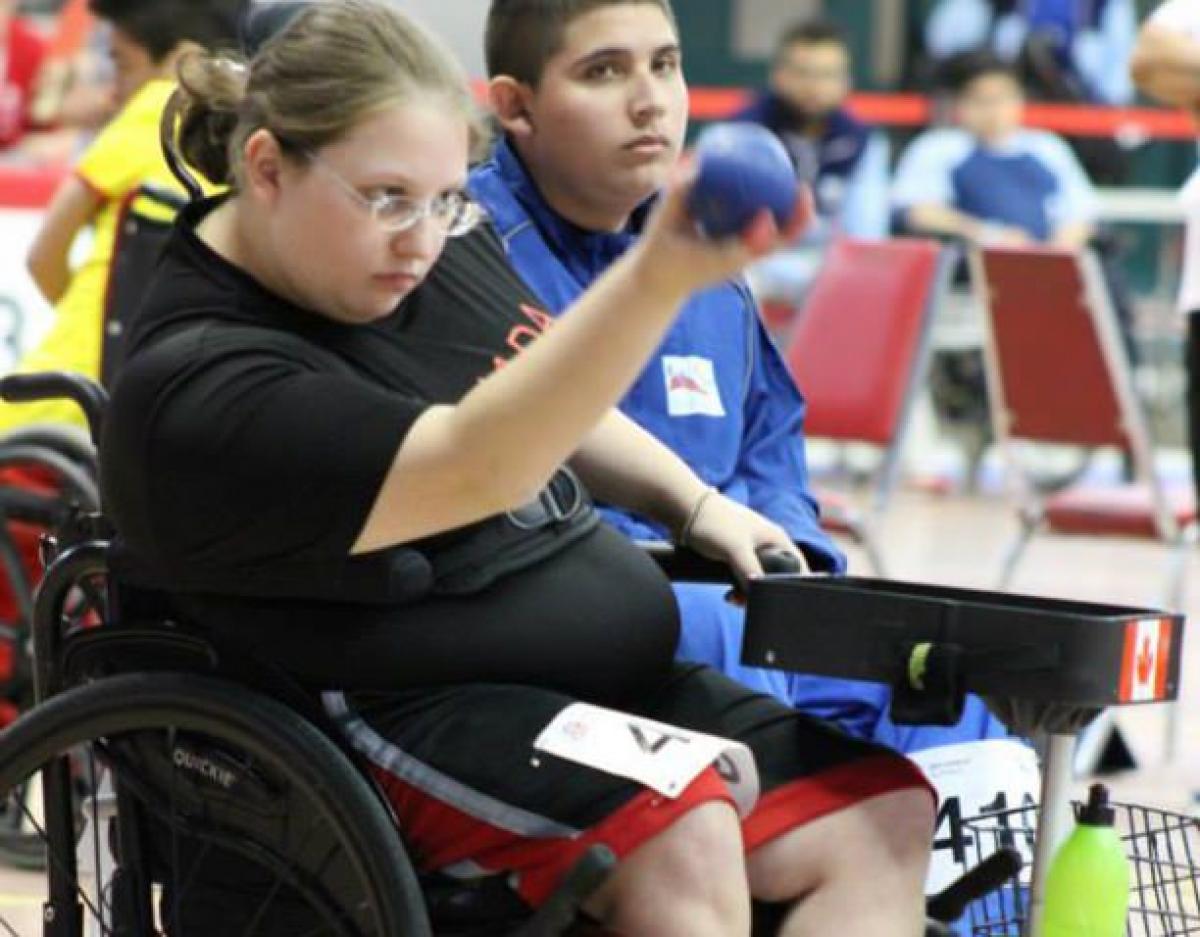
[778,561]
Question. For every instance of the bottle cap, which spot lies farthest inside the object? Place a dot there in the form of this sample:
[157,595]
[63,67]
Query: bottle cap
[1097,811]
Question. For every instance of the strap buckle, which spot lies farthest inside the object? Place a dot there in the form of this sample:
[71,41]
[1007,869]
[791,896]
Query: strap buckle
[559,501]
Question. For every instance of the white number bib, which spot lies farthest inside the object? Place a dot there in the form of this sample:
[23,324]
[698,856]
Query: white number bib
[662,757]
[972,779]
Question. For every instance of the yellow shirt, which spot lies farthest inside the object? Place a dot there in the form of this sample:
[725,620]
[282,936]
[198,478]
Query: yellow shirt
[125,155]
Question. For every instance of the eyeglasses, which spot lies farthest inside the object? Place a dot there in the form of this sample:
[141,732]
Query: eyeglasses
[456,212]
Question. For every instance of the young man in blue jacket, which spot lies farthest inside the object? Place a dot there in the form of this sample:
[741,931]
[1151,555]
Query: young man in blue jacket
[593,105]
[589,136]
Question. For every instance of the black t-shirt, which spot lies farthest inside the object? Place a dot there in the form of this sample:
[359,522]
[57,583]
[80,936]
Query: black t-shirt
[247,441]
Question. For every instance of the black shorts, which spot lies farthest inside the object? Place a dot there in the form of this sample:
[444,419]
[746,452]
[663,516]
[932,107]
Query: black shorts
[474,797]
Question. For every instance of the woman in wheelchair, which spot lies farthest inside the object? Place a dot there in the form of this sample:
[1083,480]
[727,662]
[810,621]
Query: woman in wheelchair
[273,468]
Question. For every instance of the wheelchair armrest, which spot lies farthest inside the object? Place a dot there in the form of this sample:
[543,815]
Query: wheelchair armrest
[680,564]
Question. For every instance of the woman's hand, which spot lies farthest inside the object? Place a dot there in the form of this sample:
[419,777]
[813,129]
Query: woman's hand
[728,531]
[674,257]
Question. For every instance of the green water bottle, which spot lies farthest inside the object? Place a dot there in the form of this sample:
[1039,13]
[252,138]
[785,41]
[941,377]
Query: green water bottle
[1087,888]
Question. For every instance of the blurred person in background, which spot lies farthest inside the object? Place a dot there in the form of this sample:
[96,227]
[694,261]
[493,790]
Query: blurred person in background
[986,179]
[989,180]
[21,55]
[845,161]
[1166,66]
[75,94]
[1072,51]
[1080,47]
[76,65]
[147,38]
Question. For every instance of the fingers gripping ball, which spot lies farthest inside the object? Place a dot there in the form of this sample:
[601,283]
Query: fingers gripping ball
[741,169]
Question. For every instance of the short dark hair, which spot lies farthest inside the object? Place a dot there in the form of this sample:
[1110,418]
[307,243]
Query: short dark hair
[523,35]
[159,26]
[810,33]
[958,72]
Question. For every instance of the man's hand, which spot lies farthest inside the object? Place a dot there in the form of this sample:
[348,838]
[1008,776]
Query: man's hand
[728,531]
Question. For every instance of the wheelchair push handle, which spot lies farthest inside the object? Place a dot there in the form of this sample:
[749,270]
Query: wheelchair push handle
[59,385]
[778,563]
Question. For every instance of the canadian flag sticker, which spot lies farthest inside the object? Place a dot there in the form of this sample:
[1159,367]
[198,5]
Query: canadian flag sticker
[1146,660]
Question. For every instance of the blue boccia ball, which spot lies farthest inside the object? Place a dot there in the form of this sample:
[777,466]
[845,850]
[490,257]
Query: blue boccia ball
[741,169]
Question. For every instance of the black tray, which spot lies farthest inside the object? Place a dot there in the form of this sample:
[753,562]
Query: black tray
[1014,646]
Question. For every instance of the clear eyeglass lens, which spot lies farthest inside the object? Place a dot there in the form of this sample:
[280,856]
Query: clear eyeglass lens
[456,213]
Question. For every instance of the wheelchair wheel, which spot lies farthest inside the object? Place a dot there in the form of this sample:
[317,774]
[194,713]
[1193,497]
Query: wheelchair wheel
[82,604]
[183,805]
[20,846]
[50,471]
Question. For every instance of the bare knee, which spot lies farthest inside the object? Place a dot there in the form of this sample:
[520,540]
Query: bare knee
[901,825]
[888,836]
[691,878]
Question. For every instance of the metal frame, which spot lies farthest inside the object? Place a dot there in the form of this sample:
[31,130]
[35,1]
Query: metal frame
[1031,504]
[889,470]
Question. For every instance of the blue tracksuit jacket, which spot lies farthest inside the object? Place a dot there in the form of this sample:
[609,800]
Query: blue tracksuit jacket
[719,395]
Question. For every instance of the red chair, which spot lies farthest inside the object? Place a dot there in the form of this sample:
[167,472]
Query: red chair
[1059,374]
[860,352]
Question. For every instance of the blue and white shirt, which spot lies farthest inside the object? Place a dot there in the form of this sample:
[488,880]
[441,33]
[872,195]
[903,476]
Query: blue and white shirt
[1033,182]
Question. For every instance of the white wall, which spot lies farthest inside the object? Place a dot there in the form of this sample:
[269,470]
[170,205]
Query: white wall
[758,23]
[458,22]
[24,315]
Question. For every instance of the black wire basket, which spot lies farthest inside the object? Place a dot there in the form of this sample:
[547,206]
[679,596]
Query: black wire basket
[1164,871]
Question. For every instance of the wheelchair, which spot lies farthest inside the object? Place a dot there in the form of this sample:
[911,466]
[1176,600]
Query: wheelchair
[177,785]
[162,775]
[44,470]
[47,470]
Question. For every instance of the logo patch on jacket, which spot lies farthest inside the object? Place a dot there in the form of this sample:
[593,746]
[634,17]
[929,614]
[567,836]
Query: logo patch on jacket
[691,387]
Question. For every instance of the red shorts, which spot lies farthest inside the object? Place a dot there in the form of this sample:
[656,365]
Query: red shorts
[474,798]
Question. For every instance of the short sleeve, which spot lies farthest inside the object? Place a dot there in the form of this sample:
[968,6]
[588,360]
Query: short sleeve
[117,159]
[925,173]
[865,208]
[250,460]
[1075,200]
